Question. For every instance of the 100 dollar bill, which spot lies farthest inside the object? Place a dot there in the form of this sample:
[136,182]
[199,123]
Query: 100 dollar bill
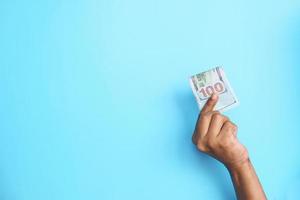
[213,81]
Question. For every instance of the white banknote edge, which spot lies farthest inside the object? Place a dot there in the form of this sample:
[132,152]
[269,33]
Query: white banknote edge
[194,92]
[237,103]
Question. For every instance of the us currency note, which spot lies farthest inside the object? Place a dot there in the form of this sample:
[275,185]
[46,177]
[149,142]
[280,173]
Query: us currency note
[213,81]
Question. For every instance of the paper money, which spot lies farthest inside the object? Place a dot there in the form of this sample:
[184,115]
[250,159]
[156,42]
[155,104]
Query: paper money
[213,81]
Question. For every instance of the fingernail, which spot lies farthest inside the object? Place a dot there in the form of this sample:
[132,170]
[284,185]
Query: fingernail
[214,97]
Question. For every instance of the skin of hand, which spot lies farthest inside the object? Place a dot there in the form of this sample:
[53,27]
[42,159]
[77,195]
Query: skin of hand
[216,136]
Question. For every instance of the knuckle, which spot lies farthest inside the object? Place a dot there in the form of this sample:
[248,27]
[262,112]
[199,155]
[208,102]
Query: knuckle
[228,142]
[232,127]
[234,134]
[201,146]
[227,126]
[217,116]
[210,143]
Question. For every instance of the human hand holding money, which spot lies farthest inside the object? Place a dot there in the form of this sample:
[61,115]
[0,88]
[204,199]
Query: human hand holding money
[211,82]
[216,136]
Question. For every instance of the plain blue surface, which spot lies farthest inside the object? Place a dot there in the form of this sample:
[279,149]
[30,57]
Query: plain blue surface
[95,100]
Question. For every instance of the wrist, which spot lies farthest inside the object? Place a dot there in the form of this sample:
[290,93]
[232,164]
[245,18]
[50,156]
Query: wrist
[239,166]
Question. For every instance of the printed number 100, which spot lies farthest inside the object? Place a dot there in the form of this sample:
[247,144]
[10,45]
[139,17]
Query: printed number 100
[209,90]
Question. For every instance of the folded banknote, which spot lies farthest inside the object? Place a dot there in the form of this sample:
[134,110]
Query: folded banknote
[213,81]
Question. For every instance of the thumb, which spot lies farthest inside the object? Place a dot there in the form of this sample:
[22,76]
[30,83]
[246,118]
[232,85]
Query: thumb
[210,104]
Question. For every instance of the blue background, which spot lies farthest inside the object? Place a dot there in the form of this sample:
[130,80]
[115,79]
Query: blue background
[95,100]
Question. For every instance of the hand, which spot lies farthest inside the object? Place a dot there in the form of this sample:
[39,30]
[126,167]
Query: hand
[216,135]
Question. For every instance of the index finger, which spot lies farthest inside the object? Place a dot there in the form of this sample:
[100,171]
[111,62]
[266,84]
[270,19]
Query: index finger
[210,104]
